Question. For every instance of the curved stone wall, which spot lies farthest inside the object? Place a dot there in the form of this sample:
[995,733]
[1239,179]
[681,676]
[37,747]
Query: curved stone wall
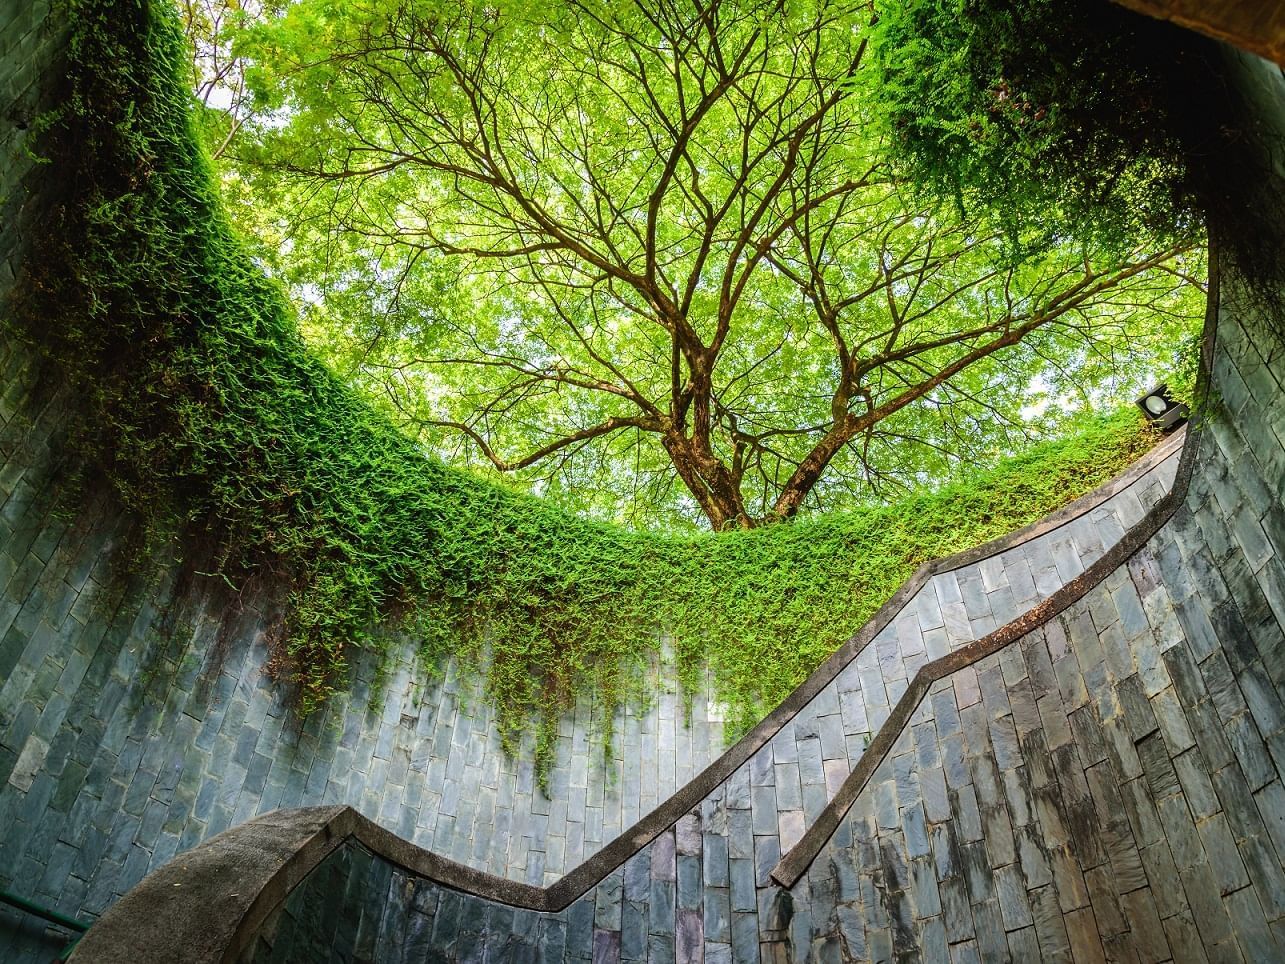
[133,725]
[1100,781]
[128,739]
[135,722]
[1109,790]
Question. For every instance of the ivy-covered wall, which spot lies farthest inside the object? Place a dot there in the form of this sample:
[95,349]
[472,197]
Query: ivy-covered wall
[136,720]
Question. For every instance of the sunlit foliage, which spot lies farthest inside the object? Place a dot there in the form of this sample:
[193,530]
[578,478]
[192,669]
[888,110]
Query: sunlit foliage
[662,261]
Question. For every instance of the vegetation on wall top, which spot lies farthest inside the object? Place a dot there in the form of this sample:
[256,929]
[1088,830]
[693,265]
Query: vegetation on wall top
[205,410]
[1073,118]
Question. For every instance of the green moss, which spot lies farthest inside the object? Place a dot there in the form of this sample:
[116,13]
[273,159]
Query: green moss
[1078,119]
[205,411]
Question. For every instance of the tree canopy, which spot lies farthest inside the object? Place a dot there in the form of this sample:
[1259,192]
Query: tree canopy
[656,259]
[200,407]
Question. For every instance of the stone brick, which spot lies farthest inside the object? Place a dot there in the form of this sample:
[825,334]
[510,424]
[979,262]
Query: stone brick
[1095,790]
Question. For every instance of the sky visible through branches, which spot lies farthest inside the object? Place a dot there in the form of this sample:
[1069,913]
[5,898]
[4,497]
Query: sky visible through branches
[656,261]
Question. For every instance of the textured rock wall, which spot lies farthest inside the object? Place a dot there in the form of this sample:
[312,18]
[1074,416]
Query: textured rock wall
[129,732]
[707,875]
[1100,781]
[1107,788]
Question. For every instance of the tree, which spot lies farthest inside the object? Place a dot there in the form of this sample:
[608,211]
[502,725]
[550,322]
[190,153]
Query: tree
[218,71]
[594,227]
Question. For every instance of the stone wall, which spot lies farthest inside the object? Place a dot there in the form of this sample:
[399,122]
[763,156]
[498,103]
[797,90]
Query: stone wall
[1109,782]
[1106,787]
[136,719]
[135,723]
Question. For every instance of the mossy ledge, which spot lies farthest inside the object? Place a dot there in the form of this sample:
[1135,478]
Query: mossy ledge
[207,414]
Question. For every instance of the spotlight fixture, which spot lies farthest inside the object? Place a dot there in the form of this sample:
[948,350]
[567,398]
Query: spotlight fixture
[1161,410]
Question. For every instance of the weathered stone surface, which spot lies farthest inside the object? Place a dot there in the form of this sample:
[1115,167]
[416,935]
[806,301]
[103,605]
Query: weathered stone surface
[1106,786]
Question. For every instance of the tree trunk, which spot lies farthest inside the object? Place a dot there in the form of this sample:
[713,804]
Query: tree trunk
[710,483]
